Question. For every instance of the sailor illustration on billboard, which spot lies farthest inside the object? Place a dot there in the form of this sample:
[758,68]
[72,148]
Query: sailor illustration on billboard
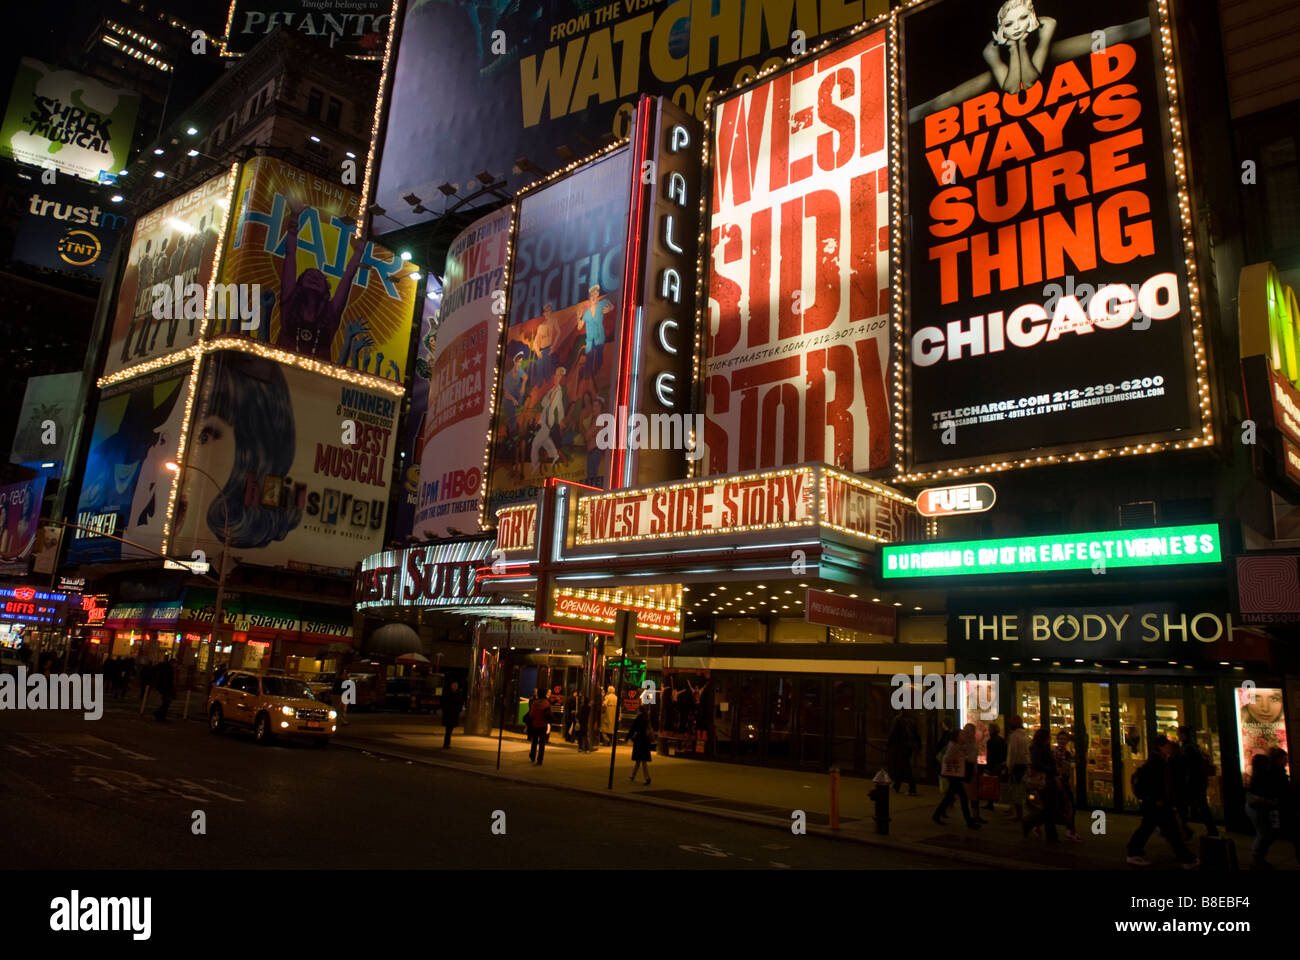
[309,316]
[1017,25]
[550,415]
[546,341]
[593,322]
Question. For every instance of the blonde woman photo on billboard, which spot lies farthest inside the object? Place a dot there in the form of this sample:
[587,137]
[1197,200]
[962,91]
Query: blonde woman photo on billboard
[1017,68]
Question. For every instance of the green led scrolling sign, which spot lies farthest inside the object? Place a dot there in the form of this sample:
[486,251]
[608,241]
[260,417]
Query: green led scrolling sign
[1153,547]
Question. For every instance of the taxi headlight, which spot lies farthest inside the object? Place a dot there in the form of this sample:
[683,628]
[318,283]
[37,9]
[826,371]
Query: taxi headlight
[334,714]
[289,711]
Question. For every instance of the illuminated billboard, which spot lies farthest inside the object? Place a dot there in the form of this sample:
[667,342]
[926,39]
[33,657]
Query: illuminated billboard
[303,460]
[1051,304]
[72,123]
[548,82]
[173,245]
[797,340]
[451,398]
[355,27]
[564,344]
[322,292]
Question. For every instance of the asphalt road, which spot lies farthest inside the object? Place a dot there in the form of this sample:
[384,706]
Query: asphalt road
[124,792]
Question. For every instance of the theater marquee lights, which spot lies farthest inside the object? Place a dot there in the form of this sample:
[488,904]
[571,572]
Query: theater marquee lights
[658,610]
[1154,547]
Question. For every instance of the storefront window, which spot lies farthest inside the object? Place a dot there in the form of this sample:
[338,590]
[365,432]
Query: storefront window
[1261,723]
[749,716]
[1133,732]
[781,726]
[1099,783]
[978,704]
[1029,704]
[811,721]
[844,724]
[1060,698]
[724,696]
[1205,717]
[1171,710]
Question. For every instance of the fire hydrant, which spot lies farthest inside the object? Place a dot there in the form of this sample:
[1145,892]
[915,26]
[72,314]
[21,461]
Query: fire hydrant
[880,796]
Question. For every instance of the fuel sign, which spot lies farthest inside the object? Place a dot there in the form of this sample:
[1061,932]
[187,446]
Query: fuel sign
[949,501]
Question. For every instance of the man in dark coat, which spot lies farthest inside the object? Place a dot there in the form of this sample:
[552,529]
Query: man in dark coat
[452,701]
[165,680]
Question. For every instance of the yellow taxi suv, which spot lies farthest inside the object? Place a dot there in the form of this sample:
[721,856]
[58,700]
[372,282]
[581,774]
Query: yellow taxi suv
[271,705]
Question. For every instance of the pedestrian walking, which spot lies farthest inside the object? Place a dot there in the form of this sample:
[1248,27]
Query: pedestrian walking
[452,701]
[1194,803]
[165,680]
[995,756]
[1065,777]
[1017,764]
[957,769]
[1153,787]
[639,737]
[1044,780]
[570,713]
[539,718]
[582,723]
[902,746]
[607,716]
[1264,798]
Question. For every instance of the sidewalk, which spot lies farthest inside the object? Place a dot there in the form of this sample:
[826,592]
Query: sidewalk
[769,795]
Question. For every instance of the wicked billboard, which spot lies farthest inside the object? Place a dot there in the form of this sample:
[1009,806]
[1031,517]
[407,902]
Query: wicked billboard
[303,461]
[562,78]
[124,493]
[1048,307]
[798,340]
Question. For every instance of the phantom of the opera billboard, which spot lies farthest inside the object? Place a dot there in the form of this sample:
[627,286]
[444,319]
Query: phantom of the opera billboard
[355,27]
[126,487]
[63,120]
[797,338]
[303,459]
[310,286]
[550,82]
[563,346]
[450,415]
[173,247]
[1047,309]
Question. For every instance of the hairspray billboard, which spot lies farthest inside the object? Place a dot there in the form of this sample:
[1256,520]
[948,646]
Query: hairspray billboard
[548,82]
[20,513]
[59,118]
[314,287]
[797,341]
[303,461]
[1047,309]
[451,404]
[563,345]
[126,485]
[173,247]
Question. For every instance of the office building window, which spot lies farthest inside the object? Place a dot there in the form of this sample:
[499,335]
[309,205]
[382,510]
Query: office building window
[314,100]
[335,112]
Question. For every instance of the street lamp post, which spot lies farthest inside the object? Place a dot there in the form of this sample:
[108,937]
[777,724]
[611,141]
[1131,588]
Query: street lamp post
[218,621]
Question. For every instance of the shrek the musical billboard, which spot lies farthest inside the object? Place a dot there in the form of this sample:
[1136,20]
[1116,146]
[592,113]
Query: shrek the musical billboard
[1047,306]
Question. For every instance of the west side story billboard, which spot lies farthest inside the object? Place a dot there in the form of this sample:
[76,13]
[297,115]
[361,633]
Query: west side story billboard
[567,73]
[1047,307]
[797,339]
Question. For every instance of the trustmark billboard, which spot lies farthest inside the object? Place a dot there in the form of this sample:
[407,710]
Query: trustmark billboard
[1051,304]
[797,336]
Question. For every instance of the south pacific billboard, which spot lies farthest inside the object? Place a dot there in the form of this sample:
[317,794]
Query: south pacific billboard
[62,119]
[797,339]
[175,243]
[550,82]
[322,291]
[1047,309]
[294,491]
[455,400]
[125,491]
[563,344]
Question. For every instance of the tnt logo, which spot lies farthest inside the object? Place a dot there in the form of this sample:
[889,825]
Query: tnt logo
[461,483]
